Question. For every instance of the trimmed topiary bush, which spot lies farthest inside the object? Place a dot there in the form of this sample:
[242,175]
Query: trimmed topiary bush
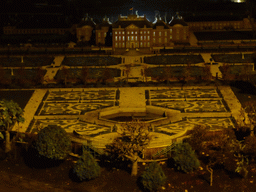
[53,143]
[86,167]
[184,157]
[153,177]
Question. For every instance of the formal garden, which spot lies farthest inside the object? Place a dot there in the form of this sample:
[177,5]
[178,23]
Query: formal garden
[91,61]
[173,59]
[233,58]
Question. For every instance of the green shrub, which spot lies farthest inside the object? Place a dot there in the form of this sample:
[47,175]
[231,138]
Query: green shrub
[153,177]
[53,142]
[184,157]
[86,167]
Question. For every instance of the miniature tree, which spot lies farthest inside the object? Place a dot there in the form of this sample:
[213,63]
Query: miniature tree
[133,139]
[67,74]
[187,72]
[10,113]
[184,157]
[127,71]
[106,75]
[207,73]
[246,72]
[39,76]
[86,167]
[153,177]
[84,74]
[53,143]
[226,72]
[250,109]
[168,73]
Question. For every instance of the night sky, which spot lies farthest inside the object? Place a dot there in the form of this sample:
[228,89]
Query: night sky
[13,11]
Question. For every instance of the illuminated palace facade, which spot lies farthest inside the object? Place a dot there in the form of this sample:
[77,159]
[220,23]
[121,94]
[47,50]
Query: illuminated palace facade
[135,31]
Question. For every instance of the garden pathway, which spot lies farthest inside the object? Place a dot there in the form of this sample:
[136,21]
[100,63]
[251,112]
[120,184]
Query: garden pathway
[51,72]
[132,98]
[30,110]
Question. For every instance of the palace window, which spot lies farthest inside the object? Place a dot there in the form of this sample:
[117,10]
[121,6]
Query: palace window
[116,45]
[120,45]
[115,32]
[145,44]
[128,38]
[123,32]
[123,44]
[160,40]
[154,40]
[136,38]
[120,38]
[132,39]
[123,38]
[160,33]
[170,30]
[140,32]
[165,33]
[141,38]
[128,32]
[145,38]
[132,32]
[141,44]
[148,44]
[144,32]
[116,38]
[165,40]
[148,38]
[154,33]
[136,32]
[105,34]
[119,32]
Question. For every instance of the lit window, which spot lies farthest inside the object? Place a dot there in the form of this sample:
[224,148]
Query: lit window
[160,33]
[119,32]
[116,44]
[170,30]
[136,32]
[141,44]
[105,34]
[144,32]
[132,32]
[136,38]
[165,33]
[148,38]
[128,38]
[148,32]
[136,44]
[116,38]
[98,34]
[123,32]
[132,38]
[154,33]
[145,37]
[115,32]
[123,38]
[140,32]
[123,44]
[128,32]
[120,38]
[154,40]
[141,38]
[148,44]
